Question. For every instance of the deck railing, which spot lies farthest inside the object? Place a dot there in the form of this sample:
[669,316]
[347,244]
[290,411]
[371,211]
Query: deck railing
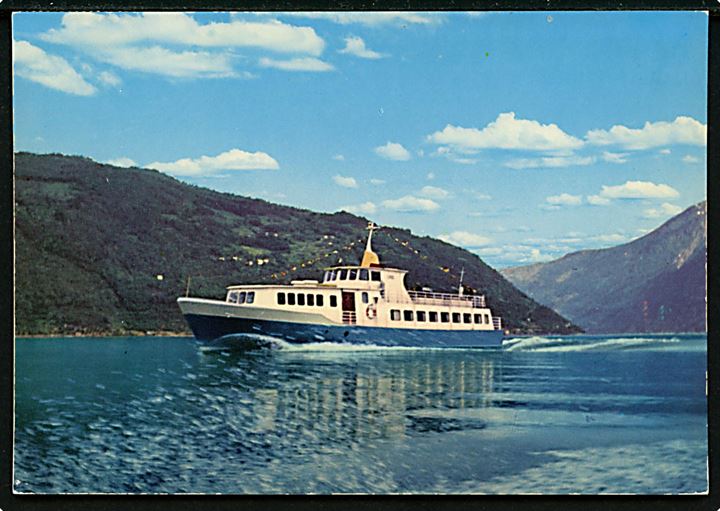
[497,323]
[432,298]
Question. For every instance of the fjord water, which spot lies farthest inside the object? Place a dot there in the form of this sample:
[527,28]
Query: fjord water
[622,414]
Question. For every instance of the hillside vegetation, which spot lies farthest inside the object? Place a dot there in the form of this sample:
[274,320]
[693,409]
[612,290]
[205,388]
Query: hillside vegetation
[108,250]
[656,283]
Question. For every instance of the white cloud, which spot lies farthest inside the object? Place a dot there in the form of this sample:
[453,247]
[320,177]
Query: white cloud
[564,199]
[665,210]
[411,204]
[609,238]
[356,46]
[338,157]
[109,78]
[434,192]
[550,162]
[393,151]
[487,251]
[345,182]
[506,132]
[664,151]
[638,190]
[465,239]
[377,182]
[159,60]
[55,72]
[122,162]
[481,196]
[597,200]
[683,130]
[373,18]
[366,208]
[690,159]
[234,159]
[90,30]
[614,157]
[299,64]
[430,176]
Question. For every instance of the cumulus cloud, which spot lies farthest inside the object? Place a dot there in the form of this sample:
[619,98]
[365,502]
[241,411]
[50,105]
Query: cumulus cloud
[123,161]
[411,204]
[550,162]
[614,157]
[434,192]
[597,200]
[664,151]
[338,157]
[234,159]
[366,208]
[299,64]
[465,239]
[393,151]
[638,190]
[175,64]
[506,132]
[108,78]
[372,18]
[665,210]
[345,182]
[564,199]
[90,30]
[356,46]
[690,159]
[683,130]
[55,72]
[377,182]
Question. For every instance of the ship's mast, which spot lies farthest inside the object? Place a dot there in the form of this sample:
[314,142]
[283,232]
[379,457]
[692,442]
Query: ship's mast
[370,258]
[460,287]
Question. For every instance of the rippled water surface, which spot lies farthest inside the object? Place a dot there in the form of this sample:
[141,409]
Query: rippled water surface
[542,415]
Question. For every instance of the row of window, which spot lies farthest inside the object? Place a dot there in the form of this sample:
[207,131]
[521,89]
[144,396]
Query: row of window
[304,299]
[444,317]
[241,297]
[352,274]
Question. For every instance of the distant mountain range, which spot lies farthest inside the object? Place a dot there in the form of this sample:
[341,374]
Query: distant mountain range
[101,249]
[656,283]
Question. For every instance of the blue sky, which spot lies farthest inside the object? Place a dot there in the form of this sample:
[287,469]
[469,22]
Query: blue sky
[520,136]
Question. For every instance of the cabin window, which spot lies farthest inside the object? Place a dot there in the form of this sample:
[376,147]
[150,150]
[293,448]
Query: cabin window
[364,274]
[301,299]
[365,298]
[478,319]
[487,319]
[456,317]
[281,298]
[353,274]
[232,297]
[251,296]
[333,275]
[326,277]
[319,300]
[421,315]
[311,300]
[343,274]
[395,315]
[445,317]
[467,318]
[333,301]
[375,276]
[408,315]
[241,297]
[433,316]
[291,298]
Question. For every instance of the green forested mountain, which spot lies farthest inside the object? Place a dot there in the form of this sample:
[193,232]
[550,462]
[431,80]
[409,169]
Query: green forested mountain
[106,249]
[656,283]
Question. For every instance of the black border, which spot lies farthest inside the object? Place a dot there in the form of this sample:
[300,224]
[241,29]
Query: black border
[9,501]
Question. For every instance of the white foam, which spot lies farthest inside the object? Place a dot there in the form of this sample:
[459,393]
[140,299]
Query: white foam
[545,344]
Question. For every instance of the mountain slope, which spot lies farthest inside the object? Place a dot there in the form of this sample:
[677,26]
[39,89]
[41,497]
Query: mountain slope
[656,283]
[105,249]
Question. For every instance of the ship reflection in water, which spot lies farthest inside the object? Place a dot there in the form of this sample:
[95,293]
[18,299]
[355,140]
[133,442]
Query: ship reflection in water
[600,415]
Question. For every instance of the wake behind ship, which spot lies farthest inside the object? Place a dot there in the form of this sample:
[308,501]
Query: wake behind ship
[365,304]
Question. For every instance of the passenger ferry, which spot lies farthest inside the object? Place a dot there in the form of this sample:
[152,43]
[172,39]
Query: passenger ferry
[365,304]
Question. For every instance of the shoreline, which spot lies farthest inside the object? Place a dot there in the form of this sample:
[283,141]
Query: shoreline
[129,333]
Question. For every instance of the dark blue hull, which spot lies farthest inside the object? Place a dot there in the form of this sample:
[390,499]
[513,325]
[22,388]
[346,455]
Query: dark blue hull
[229,331]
